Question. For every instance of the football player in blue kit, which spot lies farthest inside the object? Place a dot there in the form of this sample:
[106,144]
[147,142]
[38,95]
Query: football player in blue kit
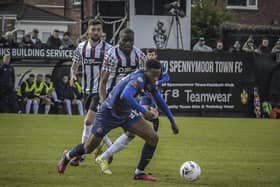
[122,141]
[121,109]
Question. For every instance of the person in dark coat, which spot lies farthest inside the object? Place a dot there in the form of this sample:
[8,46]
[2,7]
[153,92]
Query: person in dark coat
[65,94]
[54,41]
[7,86]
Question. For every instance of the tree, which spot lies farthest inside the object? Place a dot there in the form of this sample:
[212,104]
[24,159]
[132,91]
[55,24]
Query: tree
[207,20]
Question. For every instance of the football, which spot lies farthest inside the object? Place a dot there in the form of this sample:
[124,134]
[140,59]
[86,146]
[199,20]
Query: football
[190,171]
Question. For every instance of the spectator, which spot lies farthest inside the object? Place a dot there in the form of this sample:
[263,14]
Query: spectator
[40,94]
[10,41]
[49,88]
[7,86]
[66,41]
[201,46]
[65,94]
[78,95]
[54,41]
[26,41]
[236,47]
[219,47]
[2,40]
[27,90]
[249,45]
[36,42]
[264,47]
[276,48]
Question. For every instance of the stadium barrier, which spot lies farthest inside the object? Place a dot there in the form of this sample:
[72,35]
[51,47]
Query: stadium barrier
[209,84]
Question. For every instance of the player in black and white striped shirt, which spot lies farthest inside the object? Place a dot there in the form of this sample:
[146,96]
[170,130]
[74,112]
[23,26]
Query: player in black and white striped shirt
[90,54]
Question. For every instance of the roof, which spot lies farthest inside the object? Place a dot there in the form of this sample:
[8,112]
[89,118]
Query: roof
[29,12]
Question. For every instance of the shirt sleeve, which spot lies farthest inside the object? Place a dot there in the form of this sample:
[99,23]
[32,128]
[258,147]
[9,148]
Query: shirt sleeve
[130,91]
[77,56]
[109,62]
[142,60]
[163,106]
[164,78]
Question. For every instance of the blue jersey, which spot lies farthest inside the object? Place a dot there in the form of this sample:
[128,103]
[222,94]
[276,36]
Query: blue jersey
[121,100]
[120,106]
[164,77]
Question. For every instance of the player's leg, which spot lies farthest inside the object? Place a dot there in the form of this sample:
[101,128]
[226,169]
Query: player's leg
[145,131]
[81,149]
[28,105]
[90,116]
[102,125]
[119,144]
[36,102]
[80,107]
[47,102]
[67,103]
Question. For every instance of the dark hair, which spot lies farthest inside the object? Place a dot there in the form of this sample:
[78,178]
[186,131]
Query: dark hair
[126,31]
[94,22]
[35,31]
[66,33]
[151,50]
[31,75]
[39,75]
[48,76]
[153,64]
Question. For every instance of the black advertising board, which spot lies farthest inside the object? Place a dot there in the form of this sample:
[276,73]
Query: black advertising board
[208,82]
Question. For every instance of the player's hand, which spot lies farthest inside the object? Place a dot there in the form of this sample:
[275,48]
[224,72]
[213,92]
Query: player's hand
[174,128]
[72,80]
[155,112]
[149,115]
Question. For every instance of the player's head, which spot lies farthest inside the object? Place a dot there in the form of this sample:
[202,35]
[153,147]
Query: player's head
[39,77]
[126,40]
[65,79]
[151,53]
[95,30]
[31,78]
[152,70]
[48,78]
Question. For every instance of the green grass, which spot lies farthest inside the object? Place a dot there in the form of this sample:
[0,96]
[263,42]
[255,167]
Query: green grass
[231,152]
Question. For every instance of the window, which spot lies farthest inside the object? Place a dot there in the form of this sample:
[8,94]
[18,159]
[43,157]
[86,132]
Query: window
[157,7]
[76,2]
[242,4]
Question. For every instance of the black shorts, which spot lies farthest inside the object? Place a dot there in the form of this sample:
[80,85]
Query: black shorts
[92,101]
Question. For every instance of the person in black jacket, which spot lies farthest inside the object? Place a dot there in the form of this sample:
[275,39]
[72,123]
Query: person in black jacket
[65,94]
[26,41]
[36,42]
[54,41]
[7,86]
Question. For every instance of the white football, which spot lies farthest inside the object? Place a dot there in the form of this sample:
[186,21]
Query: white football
[190,171]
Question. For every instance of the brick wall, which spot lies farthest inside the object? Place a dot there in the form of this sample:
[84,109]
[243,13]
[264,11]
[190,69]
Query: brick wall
[268,10]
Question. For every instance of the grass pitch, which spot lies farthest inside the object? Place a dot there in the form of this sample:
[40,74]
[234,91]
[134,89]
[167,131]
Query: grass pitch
[231,153]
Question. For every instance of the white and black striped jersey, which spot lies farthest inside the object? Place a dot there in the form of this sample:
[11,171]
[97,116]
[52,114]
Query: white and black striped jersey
[119,65]
[91,58]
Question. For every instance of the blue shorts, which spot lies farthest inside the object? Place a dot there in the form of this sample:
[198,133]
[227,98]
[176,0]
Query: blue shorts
[148,100]
[105,121]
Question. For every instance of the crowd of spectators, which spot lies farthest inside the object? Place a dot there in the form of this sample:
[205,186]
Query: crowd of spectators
[62,40]
[37,95]
[31,40]
[248,46]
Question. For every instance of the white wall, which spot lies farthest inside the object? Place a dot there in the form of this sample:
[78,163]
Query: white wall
[144,25]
